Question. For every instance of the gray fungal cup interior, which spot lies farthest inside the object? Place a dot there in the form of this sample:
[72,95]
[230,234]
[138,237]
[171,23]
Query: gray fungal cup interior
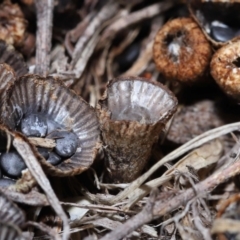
[139,101]
[46,105]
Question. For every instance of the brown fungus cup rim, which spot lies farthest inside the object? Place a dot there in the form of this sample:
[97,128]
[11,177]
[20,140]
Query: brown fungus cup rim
[49,96]
[103,105]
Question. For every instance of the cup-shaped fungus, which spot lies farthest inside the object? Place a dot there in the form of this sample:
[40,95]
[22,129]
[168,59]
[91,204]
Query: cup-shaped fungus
[132,113]
[181,51]
[225,68]
[62,125]
[219,19]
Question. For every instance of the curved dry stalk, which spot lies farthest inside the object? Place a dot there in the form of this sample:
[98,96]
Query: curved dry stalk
[160,206]
[32,198]
[87,43]
[34,167]
[194,143]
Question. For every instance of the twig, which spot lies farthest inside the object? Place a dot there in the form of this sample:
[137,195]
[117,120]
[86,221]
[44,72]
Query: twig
[32,198]
[44,228]
[135,222]
[34,167]
[146,51]
[97,207]
[194,143]
[73,35]
[42,142]
[106,12]
[161,208]
[131,19]
[44,10]
[198,223]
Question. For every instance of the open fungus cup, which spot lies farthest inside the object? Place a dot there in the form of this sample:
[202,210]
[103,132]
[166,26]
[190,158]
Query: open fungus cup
[219,19]
[181,51]
[44,109]
[132,113]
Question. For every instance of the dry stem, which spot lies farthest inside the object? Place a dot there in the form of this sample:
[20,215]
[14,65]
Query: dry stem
[34,167]
[160,207]
[44,10]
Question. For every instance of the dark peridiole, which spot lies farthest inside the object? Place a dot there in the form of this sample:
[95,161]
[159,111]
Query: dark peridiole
[66,142]
[34,125]
[54,159]
[43,151]
[12,164]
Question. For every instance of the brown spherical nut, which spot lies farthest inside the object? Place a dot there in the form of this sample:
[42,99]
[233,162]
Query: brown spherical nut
[225,69]
[181,51]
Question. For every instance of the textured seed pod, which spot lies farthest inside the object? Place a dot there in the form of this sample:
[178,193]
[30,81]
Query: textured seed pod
[181,51]
[12,22]
[219,19]
[10,212]
[132,113]
[26,182]
[62,108]
[11,57]
[225,69]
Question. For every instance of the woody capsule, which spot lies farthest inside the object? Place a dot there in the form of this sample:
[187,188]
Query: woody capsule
[132,113]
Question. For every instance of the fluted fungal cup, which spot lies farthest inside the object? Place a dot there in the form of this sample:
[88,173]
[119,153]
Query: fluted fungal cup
[132,113]
[44,109]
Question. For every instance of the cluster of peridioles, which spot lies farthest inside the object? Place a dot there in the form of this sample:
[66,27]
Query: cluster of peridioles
[43,109]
